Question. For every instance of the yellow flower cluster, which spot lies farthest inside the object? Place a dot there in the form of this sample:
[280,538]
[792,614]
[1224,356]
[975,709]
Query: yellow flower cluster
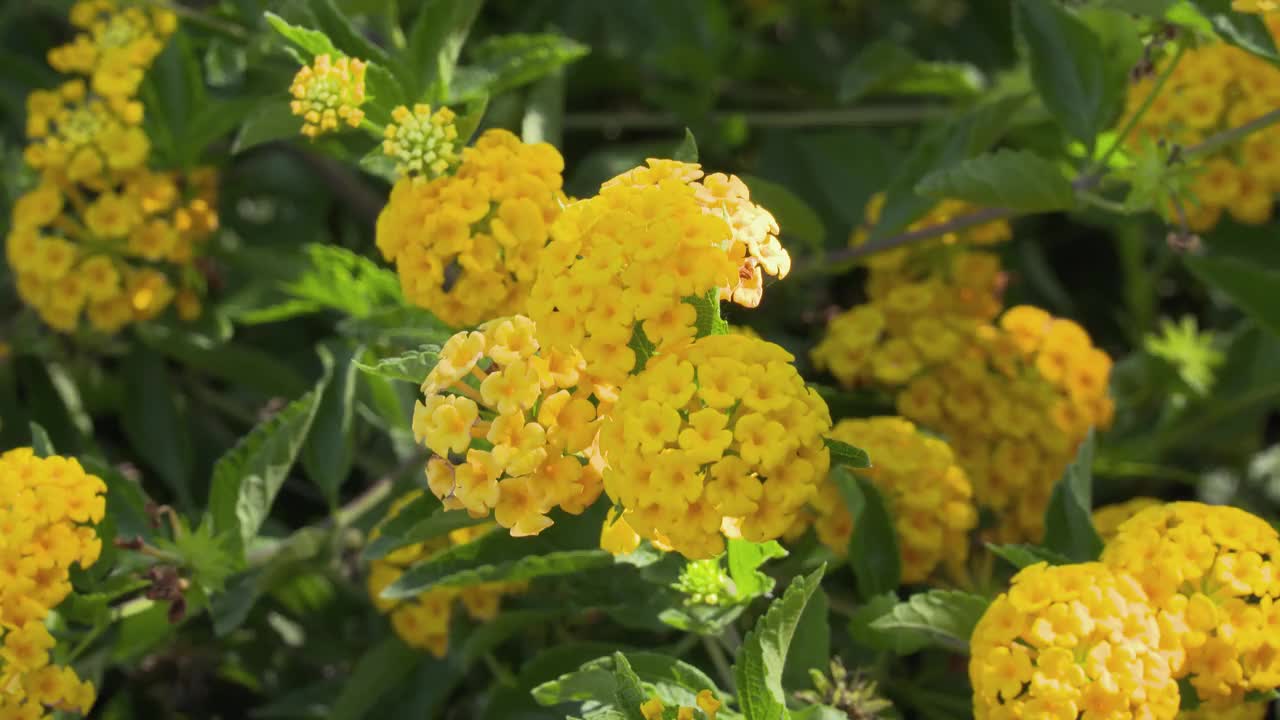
[533,410]
[116,45]
[923,303]
[753,245]
[46,507]
[422,142]
[653,709]
[102,237]
[1213,88]
[1015,402]
[928,494]
[723,434]
[1210,575]
[328,93]
[467,245]
[423,621]
[1255,6]
[1067,642]
[1107,520]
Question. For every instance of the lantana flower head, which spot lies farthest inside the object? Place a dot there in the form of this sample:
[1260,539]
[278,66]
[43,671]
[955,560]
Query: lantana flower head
[76,138]
[1071,641]
[1108,519]
[1210,572]
[467,245]
[512,427]
[117,43]
[328,94]
[928,494]
[423,621]
[708,706]
[720,436]
[422,142]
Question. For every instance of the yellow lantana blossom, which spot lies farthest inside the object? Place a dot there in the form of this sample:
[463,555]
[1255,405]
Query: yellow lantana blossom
[1067,642]
[1015,401]
[467,245]
[928,494]
[423,621]
[421,142]
[722,435]
[708,706]
[1209,571]
[75,138]
[47,508]
[328,93]
[1107,520]
[533,407]
[116,45]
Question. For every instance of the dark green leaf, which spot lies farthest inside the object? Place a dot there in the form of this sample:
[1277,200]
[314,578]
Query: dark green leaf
[1014,179]
[884,67]
[629,695]
[687,150]
[272,120]
[795,217]
[328,452]
[506,62]
[435,42]
[240,364]
[41,445]
[385,94]
[811,646]
[1249,284]
[379,670]
[845,455]
[411,366]
[343,35]
[1244,30]
[900,642]
[422,519]
[1068,522]
[456,567]
[396,326]
[152,421]
[762,658]
[873,547]
[1021,556]
[310,42]
[217,121]
[947,617]
[1067,66]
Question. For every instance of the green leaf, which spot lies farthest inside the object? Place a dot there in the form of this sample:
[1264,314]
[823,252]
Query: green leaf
[1244,30]
[411,366]
[126,502]
[947,617]
[422,519]
[310,42]
[342,34]
[674,681]
[288,558]
[885,67]
[709,321]
[629,695]
[154,425]
[457,567]
[239,364]
[900,642]
[1067,67]
[506,62]
[218,120]
[379,670]
[469,121]
[1068,522]
[334,278]
[762,658]
[687,150]
[435,41]
[41,445]
[209,558]
[396,326]
[271,121]
[811,646]
[745,557]
[795,217]
[1015,179]
[845,455]
[873,546]
[642,346]
[1146,8]
[247,478]
[543,119]
[1021,556]
[328,453]
[1250,285]
[385,94]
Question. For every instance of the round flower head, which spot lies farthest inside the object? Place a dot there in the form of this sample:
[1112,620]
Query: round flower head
[328,93]
[423,621]
[1213,88]
[721,435]
[423,143]
[513,427]
[1107,520]
[466,245]
[753,244]
[123,256]
[116,45]
[1071,641]
[929,496]
[707,708]
[1015,401]
[47,506]
[79,139]
[923,302]
[621,268]
[1209,572]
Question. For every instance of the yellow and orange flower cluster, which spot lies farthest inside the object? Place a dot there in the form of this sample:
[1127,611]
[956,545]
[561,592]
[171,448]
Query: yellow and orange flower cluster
[327,94]
[928,494]
[1071,641]
[923,303]
[512,427]
[722,435]
[101,237]
[467,245]
[1213,88]
[1015,402]
[47,506]
[423,621]
[708,708]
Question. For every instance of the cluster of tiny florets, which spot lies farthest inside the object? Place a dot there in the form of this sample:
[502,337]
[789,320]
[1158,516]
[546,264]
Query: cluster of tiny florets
[1015,402]
[423,143]
[722,436]
[1071,641]
[467,245]
[116,44]
[423,621]
[928,494]
[1210,574]
[327,94]
[707,708]
[512,427]
[1108,519]
[47,508]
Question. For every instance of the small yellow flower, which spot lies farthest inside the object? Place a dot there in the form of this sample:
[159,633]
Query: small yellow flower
[423,143]
[328,93]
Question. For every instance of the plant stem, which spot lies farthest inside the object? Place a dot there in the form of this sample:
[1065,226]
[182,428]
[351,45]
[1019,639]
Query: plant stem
[195,17]
[721,661]
[845,117]
[1227,137]
[1142,109]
